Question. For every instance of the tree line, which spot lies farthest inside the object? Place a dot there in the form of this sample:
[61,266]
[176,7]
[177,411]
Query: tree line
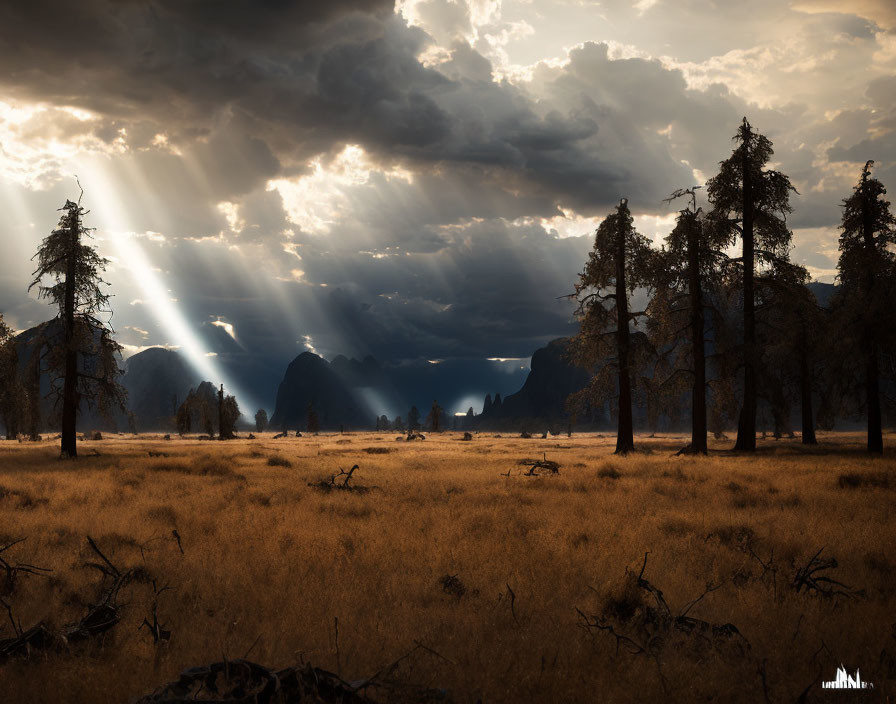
[719,313]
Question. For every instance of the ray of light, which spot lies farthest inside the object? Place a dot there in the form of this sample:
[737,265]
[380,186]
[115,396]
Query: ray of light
[462,405]
[155,294]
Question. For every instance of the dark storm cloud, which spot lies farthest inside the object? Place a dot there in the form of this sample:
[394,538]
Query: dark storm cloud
[214,100]
[300,81]
[491,291]
[483,294]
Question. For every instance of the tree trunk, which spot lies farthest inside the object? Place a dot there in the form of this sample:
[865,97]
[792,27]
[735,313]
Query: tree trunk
[872,386]
[698,405]
[872,380]
[221,429]
[808,423]
[69,446]
[625,442]
[746,431]
[11,421]
[34,395]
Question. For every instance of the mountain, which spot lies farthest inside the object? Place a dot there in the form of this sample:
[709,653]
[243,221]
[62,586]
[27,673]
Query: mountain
[541,400]
[823,292]
[367,372]
[311,380]
[153,380]
[49,335]
[157,381]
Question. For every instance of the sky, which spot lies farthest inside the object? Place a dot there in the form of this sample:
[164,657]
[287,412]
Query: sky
[417,181]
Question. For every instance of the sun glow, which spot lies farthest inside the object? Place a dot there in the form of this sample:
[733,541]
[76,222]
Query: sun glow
[316,200]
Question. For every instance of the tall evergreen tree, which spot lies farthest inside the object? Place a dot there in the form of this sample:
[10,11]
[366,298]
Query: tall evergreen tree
[751,202]
[413,419]
[864,302]
[87,358]
[228,414]
[435,421]
[620,262]
[692,261]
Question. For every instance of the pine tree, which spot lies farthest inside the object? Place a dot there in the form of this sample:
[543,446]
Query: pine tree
[413,418]
[751,202]
[435,421]
[228,414]
[867,277]
[620,262]
[691,265]
[87,357]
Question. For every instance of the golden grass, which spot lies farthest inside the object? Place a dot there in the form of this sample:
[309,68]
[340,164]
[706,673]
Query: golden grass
[272,561]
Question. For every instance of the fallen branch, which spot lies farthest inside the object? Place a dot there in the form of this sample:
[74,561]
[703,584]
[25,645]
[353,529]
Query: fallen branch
[340,482]
[535,466]
[38,637]
[650,628]
[106,612]
[810,577]
[100,617]
[13,570]
[233,681]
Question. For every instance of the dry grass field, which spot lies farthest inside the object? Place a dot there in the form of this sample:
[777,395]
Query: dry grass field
[501,587]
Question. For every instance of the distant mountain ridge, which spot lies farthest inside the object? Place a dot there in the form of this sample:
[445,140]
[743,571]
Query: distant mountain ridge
[352,393]
[823,292]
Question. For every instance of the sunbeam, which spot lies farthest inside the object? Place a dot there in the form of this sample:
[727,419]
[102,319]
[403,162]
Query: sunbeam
[156,296]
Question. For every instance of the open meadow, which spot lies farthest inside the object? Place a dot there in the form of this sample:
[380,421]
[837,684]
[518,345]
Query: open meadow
[496,585]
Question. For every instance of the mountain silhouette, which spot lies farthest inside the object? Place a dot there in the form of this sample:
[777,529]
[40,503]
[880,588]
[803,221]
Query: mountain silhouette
[542,398]
[310,380]
[157,381]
